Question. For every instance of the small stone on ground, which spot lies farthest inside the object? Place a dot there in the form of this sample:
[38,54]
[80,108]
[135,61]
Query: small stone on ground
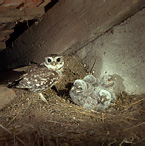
[6,96]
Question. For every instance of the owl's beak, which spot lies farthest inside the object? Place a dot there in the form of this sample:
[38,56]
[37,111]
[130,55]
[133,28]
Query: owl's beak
[111,81]
[53,64]
[72,88]
[78,91]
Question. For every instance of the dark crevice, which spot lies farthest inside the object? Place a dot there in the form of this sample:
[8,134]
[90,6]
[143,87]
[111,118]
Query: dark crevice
[50,5]
[18,30]
[21,27]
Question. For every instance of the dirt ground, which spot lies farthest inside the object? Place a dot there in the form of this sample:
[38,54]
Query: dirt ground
[29,121]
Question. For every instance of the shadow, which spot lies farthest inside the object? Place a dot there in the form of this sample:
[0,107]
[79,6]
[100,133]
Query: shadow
[119,85]
[9,76]
[92,59]
[64,92]
[18,30]
[50,5]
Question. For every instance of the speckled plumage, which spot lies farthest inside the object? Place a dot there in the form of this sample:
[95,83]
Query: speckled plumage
[38,78]
[41,77]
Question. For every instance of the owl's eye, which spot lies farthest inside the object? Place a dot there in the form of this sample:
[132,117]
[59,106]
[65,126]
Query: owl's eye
[110,79]
[80,88]
[58,60]
[49,60]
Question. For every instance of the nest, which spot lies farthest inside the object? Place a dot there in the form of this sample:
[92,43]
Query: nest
[29,121]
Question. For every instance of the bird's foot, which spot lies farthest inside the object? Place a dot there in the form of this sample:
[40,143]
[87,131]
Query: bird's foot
[43,98]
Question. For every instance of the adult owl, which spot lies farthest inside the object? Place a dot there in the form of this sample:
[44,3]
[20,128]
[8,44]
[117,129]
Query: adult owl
[43,76]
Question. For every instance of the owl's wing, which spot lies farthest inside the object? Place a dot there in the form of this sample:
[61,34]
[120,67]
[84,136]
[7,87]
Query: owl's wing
[38,78]
[14,83]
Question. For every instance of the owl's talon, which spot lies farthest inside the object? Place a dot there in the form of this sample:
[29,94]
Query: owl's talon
[43,98]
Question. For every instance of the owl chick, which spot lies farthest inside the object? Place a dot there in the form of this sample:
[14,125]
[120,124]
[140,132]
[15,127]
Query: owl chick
[90,103]
[98,100]
[91,79]
[108,83]
[91,94]
[103,100]
[80,91]
[41,77]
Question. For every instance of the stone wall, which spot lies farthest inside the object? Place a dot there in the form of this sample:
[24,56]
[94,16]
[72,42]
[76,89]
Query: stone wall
[121,52]
[65,28]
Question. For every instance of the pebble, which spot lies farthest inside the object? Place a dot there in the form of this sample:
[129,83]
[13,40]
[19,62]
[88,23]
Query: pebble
[6,96]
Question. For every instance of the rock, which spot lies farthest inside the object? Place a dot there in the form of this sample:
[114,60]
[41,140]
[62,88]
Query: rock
[6,96]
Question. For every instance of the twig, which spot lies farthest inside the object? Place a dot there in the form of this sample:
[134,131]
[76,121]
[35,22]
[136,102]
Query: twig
[43,140]
[57,143]
[102,143]
[90,114]
[38,142]
[142,111]
[122,142]
[58,122]
[11,133]
[14,138]
[12,120]
[135,102]
[134,126]
[103,117]
[130,118]
[35,139]
[5,128]
[112,142]
[125,121]
[91,70]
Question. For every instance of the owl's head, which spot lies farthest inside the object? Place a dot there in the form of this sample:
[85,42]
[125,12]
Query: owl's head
[81,87]
[104,95]
[104,98]
[107,80]
[90,79]
[54,62]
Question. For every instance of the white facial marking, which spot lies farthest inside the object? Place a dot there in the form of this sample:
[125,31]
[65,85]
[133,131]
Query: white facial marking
[49,61]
